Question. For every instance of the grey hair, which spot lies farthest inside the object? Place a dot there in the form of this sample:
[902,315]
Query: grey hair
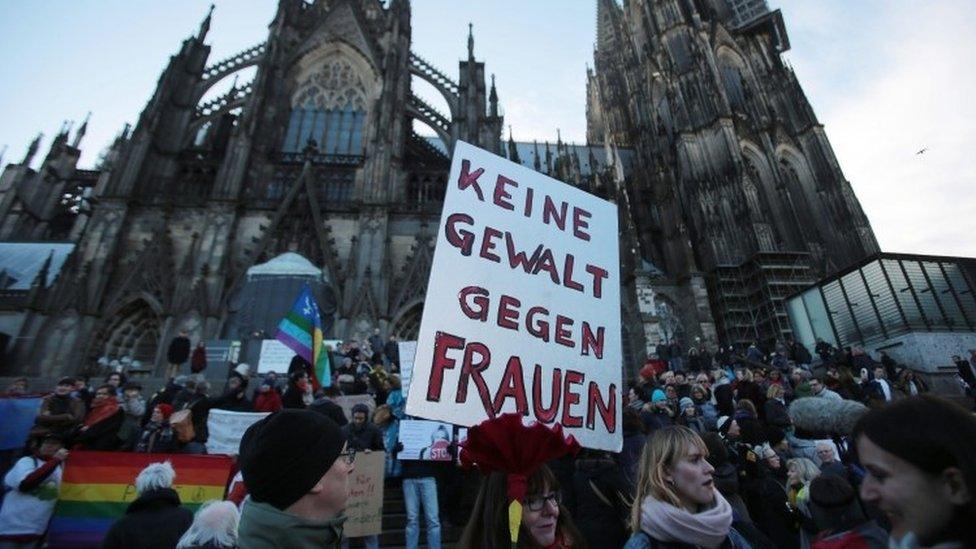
[215,522]
[155,476]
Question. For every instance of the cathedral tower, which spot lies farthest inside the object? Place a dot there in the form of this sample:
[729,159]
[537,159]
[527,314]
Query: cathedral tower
[733,174]
[316,155]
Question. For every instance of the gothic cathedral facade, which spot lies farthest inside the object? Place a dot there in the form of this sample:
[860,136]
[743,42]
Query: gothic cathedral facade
[696,128]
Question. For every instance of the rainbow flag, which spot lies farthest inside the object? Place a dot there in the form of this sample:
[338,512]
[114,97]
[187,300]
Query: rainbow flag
[97,487]
[301,331]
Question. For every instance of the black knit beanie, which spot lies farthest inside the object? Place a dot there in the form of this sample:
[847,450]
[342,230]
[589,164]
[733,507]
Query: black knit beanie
[285,454]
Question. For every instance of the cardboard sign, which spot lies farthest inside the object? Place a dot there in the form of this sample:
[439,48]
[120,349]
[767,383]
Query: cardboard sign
[407,350]
[226,429]
[522,312]
[425,440]
[364,508]
[348,401]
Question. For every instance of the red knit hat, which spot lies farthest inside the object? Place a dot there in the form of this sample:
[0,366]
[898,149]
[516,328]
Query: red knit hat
[165,409]
[505,444]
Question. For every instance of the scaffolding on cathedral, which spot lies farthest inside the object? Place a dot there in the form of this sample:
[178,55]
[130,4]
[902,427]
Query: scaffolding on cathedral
[749,300]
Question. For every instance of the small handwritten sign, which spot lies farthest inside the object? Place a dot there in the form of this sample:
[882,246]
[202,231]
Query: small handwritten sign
[365,504]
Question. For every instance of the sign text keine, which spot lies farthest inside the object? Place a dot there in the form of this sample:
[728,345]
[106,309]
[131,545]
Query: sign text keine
[522,312]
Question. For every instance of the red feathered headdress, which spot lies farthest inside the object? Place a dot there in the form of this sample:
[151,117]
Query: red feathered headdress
[506,445]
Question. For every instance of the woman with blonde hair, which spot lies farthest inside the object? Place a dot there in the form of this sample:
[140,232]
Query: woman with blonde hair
[676,503]
[800,472]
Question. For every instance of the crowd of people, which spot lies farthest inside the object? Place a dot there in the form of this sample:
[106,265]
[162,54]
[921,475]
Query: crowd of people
[735,448]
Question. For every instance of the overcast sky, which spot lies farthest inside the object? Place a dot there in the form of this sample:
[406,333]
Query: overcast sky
[887,78]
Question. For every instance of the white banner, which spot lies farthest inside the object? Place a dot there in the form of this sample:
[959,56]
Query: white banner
[226,429]
[407,350]
[522,312]
[276,356]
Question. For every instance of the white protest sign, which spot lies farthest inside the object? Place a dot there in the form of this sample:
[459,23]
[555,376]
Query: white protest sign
[276,356]
[522,312]
[424,440]
[226,429]
[406,349]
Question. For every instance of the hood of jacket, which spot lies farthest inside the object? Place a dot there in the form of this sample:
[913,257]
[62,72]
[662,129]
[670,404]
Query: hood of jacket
[726,478]
[263,525]
[154,499]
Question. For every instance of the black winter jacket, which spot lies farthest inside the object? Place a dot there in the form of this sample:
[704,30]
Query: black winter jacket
[154,520]
[602,525]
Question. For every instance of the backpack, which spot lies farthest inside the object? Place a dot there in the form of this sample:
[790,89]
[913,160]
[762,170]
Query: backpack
[182,423]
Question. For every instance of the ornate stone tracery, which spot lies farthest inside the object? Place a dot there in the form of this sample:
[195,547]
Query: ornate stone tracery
[337,86]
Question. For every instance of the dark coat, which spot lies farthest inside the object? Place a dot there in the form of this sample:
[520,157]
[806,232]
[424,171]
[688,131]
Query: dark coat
[629,457]
[602,525]
[777,414]
[158,438]
[179,350]
[368,437]
[234,402]
[293,398]
[770,511]
[154,520]
[102,435]
[799,353]
[58,415]
[752,391]
[966,373]
[392,351]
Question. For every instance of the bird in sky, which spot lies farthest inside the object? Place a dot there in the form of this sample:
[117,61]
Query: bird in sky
[921,151]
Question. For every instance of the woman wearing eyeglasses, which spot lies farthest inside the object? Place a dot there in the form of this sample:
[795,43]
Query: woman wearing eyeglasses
[676,503]
[545,522]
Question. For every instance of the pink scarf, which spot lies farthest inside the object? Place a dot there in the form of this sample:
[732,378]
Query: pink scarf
[665,522]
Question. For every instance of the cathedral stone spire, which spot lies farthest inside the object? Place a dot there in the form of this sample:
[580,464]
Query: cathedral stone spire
[32,149]
[493,99]
[205,25]
[513,154]
[471,41]
[81,131]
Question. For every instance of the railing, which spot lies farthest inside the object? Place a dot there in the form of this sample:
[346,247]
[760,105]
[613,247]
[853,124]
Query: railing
[233,63]
[321,158]
[235,95]
[431,114]
[428,70]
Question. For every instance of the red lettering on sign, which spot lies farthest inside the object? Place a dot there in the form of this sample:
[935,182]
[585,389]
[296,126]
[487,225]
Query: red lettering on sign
[470,179]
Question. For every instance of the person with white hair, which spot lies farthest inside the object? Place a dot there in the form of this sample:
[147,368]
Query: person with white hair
[156,518]
[829,464]
[214,527]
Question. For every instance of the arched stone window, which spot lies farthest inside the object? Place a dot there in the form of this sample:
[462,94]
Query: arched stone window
[799,187]
[133,332]
[732,70]
[754,190]
[406,325]
[329,107]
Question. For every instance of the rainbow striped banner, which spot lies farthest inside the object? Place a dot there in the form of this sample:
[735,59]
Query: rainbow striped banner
[302,331]
[97,487]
